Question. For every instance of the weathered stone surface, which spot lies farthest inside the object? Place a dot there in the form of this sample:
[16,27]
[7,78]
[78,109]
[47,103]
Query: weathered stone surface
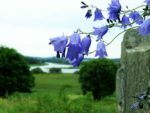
[134,74]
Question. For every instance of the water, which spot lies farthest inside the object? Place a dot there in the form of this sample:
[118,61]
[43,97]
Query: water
[63,67]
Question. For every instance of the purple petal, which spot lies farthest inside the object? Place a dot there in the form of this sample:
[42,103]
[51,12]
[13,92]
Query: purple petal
[144,29]
[100,32]
[85,44]
[74,47]
[142,96]
[135,106]
[75,38]
[135,16]
[140,20]
[89,13]
[147,2]
[114,9]
[59,43]
[98,15]
[125,21]
[101,50]
[73,52]
[76,62]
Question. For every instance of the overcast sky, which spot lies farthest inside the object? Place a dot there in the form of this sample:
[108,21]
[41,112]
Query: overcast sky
[27,25]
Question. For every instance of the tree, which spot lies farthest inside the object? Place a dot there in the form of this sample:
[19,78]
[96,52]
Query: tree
[98,76]
[37,71]
[14,72]
[55,70]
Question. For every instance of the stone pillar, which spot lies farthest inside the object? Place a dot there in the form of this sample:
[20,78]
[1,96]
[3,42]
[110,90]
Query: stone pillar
[134,74]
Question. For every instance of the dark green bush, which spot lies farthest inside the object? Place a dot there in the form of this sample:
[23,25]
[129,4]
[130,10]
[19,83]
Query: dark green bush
[14,72]
[55,70]
[98,76]
[76,72]
[37,71]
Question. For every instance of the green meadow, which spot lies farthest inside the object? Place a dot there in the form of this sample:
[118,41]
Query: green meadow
[56,93]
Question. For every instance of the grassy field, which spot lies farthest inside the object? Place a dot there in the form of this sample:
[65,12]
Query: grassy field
[56,94]
[53,83]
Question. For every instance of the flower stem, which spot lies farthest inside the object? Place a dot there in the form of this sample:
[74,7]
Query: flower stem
[133,9]
[92,52]
[120,34]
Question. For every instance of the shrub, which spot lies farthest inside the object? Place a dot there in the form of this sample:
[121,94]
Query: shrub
[14,72]
[37,71]
[98,77]
[55,70]
[76,72]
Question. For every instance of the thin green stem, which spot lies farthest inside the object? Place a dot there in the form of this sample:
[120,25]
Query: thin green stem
[92,52]
[81,32]
[95,50]
[120,34]
[133,9]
